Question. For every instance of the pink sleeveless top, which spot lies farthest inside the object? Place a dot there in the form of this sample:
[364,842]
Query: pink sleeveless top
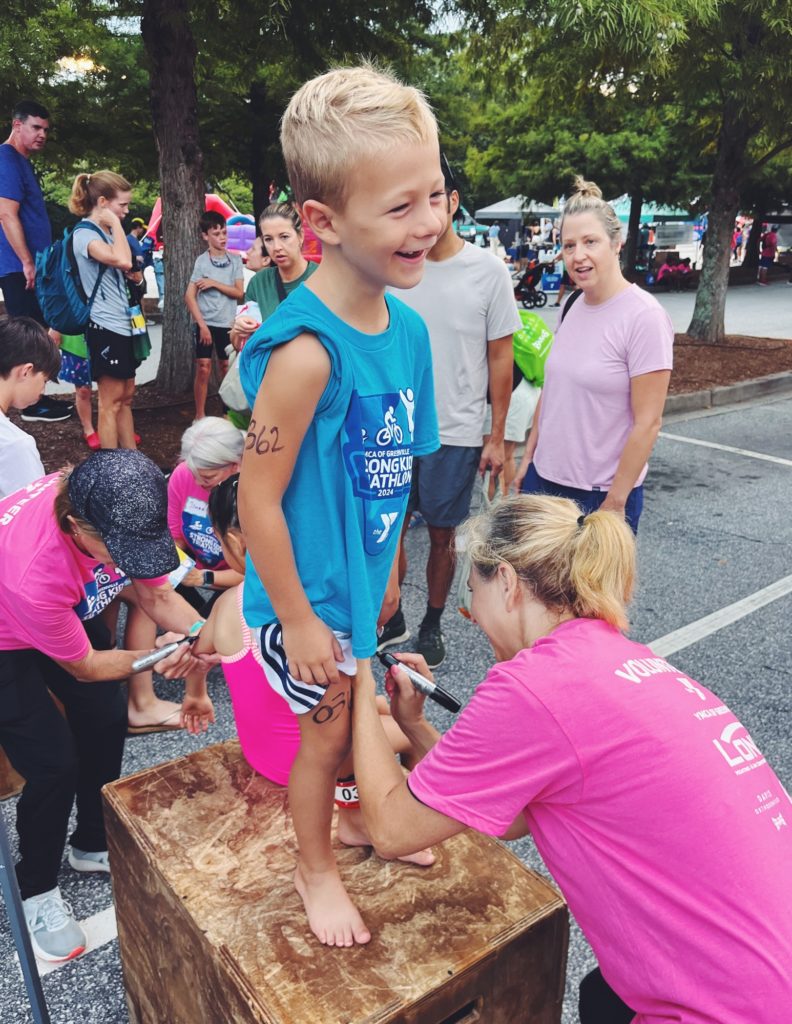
[266,725]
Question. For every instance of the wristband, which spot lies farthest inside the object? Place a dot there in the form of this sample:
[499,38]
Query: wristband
[346,792]
[196,627]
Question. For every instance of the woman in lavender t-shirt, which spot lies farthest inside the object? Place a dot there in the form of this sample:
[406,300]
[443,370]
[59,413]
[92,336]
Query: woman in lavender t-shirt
[653,809]
[606,377]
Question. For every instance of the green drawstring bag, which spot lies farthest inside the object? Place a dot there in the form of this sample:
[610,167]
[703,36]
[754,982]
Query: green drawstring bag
[531,346]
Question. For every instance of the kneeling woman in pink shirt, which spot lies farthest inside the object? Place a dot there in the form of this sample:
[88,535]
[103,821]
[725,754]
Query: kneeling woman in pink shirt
[606,377]
[656,813]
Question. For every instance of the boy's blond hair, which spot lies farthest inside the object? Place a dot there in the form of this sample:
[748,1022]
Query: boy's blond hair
[344,115]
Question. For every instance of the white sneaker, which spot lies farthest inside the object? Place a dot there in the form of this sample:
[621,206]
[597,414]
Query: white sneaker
[82,861]
[54,933]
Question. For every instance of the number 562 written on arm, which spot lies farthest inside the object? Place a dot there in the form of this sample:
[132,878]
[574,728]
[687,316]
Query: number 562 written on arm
[263,440]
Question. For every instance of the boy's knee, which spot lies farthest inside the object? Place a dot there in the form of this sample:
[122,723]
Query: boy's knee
[203,368]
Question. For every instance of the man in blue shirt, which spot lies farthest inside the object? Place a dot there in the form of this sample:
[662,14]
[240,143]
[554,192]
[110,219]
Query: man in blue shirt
[24,228]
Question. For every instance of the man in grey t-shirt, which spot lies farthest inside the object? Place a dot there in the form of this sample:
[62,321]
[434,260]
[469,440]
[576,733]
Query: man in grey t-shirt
[466,297]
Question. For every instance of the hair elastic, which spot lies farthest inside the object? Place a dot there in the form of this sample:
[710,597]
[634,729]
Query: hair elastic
[581,522]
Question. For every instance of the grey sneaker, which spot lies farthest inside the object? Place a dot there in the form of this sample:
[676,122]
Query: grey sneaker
[82,861]
[54,933]
[394,632]
[430,644]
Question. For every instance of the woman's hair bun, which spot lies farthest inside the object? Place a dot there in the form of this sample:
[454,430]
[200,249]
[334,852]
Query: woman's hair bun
[586,188]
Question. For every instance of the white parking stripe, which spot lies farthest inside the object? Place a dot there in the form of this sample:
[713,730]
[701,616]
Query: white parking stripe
[727,448]
[99,930]
[695,631]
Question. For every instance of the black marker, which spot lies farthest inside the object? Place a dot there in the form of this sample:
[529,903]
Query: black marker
[163,652]
[422,684]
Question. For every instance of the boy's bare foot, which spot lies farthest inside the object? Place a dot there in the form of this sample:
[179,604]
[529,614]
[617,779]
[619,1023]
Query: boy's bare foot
[332,916]
[352,832]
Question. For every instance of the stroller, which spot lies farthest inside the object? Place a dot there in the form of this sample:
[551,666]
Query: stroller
[525,290]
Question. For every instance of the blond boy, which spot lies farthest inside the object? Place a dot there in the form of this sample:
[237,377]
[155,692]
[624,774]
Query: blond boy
[340,383]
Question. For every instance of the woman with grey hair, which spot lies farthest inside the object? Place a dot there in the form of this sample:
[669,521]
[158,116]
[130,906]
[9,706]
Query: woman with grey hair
[211,451]
[606,377]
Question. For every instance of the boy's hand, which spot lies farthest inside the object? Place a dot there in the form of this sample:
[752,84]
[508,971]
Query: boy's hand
[205,334]
[196,714]
[204,283]
[312,651]
[242,328]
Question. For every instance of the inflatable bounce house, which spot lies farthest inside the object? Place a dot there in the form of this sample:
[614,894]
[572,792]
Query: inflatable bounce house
[241,229]
[241,226]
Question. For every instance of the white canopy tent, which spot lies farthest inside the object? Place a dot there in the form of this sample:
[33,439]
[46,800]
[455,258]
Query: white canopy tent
[516,208]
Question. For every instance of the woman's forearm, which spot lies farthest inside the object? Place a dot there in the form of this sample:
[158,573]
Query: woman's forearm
[636,451]
[378,772]
[226,578]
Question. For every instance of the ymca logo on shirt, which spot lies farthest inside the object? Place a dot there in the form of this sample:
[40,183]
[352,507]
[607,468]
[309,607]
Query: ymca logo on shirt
[197,531]
[107,584]
[378,458]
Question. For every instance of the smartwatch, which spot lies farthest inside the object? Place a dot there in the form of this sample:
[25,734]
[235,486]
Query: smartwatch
[208,578]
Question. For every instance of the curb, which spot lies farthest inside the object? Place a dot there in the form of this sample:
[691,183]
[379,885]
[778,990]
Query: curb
[773,384]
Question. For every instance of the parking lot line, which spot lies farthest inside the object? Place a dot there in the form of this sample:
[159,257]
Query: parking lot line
[695,631]
[727,448]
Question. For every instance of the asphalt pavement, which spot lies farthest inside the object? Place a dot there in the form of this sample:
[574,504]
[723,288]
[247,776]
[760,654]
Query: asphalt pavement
[716,534]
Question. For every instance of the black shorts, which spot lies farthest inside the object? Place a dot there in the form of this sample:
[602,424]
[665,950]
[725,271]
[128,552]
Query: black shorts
[220,340]
[111,354]
[442,484]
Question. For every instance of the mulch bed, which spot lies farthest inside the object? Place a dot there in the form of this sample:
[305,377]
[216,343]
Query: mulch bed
[161,418]
[698,366]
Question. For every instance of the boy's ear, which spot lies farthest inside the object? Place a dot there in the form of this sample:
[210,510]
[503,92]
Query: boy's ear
[321,219]
[22,370]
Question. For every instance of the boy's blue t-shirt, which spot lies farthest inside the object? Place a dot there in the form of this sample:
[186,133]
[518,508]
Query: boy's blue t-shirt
[19,183]
[345,503]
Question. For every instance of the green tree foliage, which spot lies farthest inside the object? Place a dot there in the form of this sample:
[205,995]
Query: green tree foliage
[717,74]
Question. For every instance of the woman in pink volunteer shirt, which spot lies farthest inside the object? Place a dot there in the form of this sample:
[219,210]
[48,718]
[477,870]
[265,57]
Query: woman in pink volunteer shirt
[72,546]
[606,377]
[664,827]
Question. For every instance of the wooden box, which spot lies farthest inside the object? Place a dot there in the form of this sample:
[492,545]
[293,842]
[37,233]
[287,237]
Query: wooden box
[212,931]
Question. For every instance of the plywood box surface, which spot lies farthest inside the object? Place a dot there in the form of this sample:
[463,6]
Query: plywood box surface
[212,931]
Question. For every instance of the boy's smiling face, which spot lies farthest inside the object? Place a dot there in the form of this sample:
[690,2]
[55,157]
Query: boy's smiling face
[395,209]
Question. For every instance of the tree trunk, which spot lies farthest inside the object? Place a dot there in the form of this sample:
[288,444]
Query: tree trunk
[264,121]
[174,107]
[707,324]
[755,237]
[633,230]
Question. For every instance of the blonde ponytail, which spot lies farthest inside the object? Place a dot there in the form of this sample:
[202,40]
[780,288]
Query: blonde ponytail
[602,569]
[572,563]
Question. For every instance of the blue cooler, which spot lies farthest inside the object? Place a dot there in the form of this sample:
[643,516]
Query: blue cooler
[550,282]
